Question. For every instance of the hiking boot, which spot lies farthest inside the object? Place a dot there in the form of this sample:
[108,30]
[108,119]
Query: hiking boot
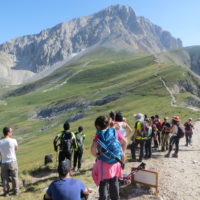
[167,155]
[6,194]
[79,170]
[139,160]
[175,155]
[146,156]
[16,193]
[133,160]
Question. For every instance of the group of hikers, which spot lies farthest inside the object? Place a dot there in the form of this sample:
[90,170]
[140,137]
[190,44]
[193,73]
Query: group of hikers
[70,143]
[109,147]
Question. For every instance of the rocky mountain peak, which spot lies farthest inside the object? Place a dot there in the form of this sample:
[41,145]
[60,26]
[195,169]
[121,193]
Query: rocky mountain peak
[122,11]
[114,26]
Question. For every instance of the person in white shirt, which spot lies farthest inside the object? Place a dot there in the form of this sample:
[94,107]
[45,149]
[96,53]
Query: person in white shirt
[9,167]
[123,126]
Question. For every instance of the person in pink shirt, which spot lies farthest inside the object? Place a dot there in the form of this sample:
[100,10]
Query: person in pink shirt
[106,175]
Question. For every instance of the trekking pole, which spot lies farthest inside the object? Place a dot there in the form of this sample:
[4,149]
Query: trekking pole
[56,164]
[111,153]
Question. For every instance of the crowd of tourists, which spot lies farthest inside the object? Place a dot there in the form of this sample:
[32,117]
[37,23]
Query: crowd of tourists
[109,147]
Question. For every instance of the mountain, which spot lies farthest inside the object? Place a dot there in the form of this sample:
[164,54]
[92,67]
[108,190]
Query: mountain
[115,27]
[188,57]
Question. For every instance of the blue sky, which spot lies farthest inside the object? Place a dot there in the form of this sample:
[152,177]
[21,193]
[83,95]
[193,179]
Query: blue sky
[23,17]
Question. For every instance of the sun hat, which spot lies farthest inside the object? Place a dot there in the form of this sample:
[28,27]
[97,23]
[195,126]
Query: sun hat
[176,118]
[139,117]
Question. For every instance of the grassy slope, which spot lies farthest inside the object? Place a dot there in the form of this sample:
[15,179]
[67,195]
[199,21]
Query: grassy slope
[143,92]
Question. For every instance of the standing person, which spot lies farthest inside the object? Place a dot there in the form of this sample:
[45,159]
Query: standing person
[148,139]
[78,152]
[166,129]
[107,170]
[123,125]
[112,121]
[67,143]
[188,131]
[159,127]
[139,136]
[154,129]
[175,137]
[9,167]
[66,187]
[112,115]
[154,132]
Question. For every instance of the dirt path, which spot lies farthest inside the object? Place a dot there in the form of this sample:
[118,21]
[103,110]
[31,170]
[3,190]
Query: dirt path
[179,178]
[171,93]
[173,102]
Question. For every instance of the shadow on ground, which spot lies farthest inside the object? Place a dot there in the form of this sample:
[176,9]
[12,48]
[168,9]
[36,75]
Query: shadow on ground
[81,172]
[42,172]
[134,190]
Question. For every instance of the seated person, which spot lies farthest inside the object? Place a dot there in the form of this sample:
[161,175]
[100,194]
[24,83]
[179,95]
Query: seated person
[66,188]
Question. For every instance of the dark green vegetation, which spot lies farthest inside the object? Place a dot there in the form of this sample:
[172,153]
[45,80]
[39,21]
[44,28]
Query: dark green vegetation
[91,86]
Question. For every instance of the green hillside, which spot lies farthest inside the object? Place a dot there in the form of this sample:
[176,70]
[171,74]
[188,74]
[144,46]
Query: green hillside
[91,86]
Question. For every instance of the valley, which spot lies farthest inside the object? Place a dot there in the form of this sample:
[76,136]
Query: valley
[80,93]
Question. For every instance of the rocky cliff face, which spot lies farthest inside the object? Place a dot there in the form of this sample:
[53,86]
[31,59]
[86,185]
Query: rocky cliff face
[194,55]
[116,23]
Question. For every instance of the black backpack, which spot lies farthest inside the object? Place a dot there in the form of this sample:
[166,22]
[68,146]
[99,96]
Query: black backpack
[66,141]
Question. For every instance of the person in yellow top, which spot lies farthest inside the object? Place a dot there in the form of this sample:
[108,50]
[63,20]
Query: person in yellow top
[139,136]
[78,152]
[67,143]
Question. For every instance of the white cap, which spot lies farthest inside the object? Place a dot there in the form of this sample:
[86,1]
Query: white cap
[139,117]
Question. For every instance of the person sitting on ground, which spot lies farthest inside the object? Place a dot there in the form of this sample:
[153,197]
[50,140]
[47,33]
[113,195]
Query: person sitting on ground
[188,131]
[67,143]
[123,125]
[66,187]
[139,136]
[107,171]
[166,129]
[9,167]
[78,152]
[175,137]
